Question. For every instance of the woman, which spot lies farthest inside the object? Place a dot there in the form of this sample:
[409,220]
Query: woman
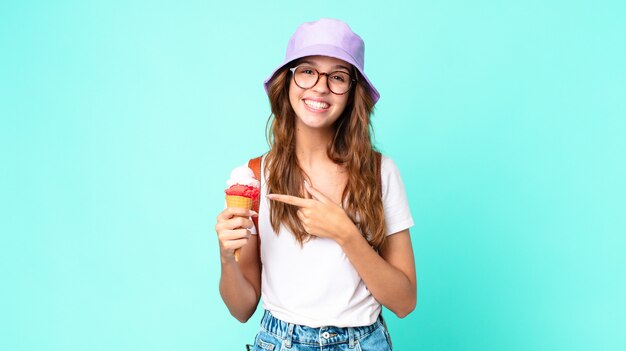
[334,223]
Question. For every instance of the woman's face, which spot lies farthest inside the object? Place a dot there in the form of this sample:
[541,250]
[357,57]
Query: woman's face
[317,107]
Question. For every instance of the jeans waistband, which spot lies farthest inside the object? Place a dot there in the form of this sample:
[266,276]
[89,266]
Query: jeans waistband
[329,335]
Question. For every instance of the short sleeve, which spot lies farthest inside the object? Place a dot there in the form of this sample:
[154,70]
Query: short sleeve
[395,204]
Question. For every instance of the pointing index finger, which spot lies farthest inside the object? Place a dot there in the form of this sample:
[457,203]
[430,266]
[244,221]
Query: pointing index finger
[317,195]
[288,199]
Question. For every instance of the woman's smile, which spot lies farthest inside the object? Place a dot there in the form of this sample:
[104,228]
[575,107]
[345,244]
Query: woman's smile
[316,105]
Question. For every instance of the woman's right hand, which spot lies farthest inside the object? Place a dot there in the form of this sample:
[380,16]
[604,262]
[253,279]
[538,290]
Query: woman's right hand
[233,230]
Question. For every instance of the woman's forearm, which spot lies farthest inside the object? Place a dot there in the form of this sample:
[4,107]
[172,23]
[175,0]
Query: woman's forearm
[238,293]
[393,288]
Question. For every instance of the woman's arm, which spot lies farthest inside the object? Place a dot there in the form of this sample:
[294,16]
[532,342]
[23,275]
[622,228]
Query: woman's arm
[240,282]
[390,276]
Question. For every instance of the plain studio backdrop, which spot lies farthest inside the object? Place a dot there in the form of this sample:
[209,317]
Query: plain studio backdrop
[121,120]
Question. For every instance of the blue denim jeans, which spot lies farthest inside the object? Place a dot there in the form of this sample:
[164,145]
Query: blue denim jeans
[276,335]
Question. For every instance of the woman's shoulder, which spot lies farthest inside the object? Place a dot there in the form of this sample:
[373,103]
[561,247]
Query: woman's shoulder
[390,176]
[254,164]
[253,161]
[258,157]
[387,165]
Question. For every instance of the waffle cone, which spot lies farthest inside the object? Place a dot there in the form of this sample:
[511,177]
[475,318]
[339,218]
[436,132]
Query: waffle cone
[238,201]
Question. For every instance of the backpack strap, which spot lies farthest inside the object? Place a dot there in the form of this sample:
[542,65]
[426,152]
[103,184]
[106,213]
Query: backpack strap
[255,165]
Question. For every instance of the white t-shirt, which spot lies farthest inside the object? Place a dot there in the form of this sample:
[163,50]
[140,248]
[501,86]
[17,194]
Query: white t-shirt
[316,285]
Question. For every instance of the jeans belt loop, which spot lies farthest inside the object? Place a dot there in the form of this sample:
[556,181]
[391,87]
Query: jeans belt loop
[351,337]
[289,335]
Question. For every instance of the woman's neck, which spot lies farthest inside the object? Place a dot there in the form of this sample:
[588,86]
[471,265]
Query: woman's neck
[311,145]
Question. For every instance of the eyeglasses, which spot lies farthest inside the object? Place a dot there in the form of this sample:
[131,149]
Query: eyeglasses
[338,82]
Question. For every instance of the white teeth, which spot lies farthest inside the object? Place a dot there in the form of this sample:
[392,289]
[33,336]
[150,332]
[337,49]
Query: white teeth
[316,104]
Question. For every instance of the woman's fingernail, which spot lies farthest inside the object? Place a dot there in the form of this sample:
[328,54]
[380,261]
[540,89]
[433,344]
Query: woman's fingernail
[253,213]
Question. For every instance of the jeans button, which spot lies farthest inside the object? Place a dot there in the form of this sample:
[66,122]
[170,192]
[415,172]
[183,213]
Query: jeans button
[326,335]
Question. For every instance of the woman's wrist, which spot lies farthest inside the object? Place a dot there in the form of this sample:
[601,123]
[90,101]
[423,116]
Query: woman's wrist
[226,257]
[348,235]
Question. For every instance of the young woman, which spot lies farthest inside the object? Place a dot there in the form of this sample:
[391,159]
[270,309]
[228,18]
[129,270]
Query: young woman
[333,221]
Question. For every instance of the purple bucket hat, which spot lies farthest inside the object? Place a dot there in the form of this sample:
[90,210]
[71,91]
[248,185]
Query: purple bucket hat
[327,37]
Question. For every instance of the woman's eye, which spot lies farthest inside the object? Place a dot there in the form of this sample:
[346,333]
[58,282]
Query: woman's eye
[339,78]
[307,71]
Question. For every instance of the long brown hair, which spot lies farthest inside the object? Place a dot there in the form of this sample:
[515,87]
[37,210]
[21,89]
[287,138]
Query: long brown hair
[351,147]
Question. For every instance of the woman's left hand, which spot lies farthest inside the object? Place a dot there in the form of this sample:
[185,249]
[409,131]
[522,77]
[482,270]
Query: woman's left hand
[319,215]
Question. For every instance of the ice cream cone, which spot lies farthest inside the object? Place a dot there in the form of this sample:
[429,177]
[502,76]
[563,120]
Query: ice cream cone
[242,191]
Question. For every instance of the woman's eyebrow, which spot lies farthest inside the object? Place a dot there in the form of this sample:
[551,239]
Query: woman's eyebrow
[341,66]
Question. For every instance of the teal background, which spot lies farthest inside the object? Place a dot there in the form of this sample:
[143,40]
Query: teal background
[507,120]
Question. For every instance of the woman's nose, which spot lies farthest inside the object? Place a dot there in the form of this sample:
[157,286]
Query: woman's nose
[322,86]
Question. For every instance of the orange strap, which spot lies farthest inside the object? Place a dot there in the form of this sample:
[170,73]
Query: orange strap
[255,165]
